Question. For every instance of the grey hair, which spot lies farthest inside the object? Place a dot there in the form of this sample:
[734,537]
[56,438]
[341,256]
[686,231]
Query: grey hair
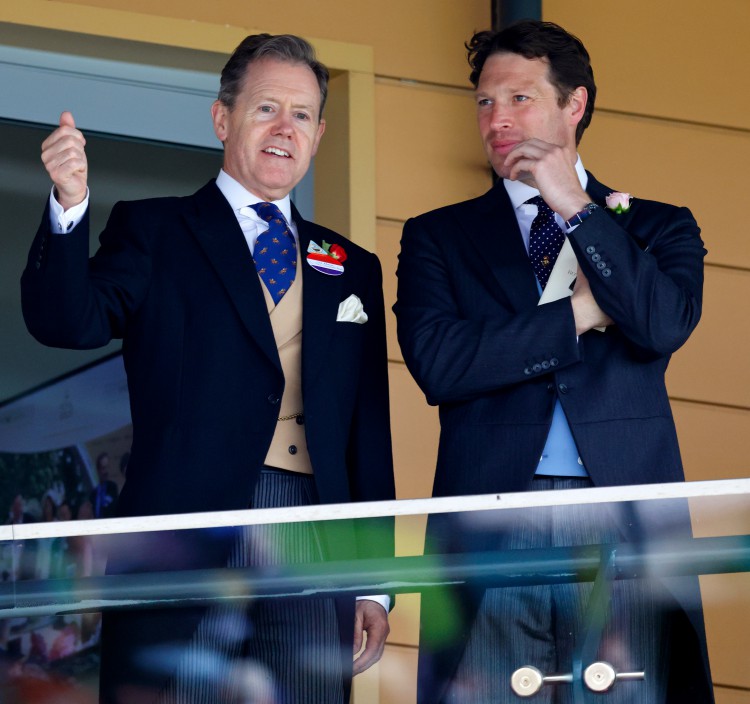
[283,47]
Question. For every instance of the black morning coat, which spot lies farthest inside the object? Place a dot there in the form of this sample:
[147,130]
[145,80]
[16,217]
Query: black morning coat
[174,279]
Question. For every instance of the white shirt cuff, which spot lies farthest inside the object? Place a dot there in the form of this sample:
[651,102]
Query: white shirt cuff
[383,599]
[62,221]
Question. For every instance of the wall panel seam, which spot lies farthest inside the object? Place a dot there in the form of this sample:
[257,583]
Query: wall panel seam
[385,220]
[733,687]
[402,82]
[712,404]
[728,267]
[682,122]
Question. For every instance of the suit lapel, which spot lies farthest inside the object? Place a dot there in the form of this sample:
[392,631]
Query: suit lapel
[490,226]
[596,190]
[321,295]
[215,227]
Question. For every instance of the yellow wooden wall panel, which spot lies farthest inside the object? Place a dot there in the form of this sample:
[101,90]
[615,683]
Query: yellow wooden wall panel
[404,620]
[420,39]
[388,247]
[428,149]
[713,440]
[717,516]
[415,427]
[682,59]
[398,675]
[726,610]
[416,430]
[713,364]
[366,686]
[731,696]
[702,168]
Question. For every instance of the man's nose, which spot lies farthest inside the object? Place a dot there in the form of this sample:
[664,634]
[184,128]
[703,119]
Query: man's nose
[284,123]
[501,116]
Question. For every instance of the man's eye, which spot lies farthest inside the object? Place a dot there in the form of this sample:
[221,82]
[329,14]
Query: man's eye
[484,101]
[520,98]
[302,116]
[265,108]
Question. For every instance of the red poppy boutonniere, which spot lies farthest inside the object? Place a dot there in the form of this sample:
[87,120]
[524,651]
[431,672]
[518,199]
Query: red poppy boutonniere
[328,259]
[618,202]
[335,250]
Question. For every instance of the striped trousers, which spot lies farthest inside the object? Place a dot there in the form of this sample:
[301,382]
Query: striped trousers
[540,625]
[276,651]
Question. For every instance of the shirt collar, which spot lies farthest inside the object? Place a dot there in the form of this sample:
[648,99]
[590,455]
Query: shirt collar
[239,197]
[519,192]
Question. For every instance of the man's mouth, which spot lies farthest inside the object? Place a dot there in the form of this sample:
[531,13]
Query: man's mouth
[503,146]
[277,152]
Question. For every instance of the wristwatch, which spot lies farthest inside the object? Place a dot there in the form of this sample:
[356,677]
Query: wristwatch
[581,215]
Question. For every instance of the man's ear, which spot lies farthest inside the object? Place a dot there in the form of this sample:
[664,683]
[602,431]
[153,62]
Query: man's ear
[219,113]
[577,104]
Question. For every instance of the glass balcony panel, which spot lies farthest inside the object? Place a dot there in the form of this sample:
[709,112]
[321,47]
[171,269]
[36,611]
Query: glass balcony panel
[584,566]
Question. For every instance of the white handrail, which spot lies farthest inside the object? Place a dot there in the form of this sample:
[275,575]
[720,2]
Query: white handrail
[373,509]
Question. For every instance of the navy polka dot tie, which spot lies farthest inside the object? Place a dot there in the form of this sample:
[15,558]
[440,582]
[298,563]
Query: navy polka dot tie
[545,240]
[275,253]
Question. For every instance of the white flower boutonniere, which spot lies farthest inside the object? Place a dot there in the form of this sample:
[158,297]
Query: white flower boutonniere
[618,202]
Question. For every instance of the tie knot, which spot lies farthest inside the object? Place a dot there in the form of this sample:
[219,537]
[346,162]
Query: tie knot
[268,212]
[539,202]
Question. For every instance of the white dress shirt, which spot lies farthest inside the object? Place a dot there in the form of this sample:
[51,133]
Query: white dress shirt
[241,199]
[519,193]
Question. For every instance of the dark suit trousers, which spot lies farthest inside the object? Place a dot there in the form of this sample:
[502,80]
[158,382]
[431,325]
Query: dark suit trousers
[540,625]
[278,651]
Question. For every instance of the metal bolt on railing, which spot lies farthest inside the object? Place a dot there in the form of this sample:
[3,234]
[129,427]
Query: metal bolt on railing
[598,677]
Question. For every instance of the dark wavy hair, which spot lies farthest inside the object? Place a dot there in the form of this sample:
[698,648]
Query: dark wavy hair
[282,47]
[569,62]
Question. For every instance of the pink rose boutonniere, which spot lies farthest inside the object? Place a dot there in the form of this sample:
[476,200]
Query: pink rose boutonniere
[618,202]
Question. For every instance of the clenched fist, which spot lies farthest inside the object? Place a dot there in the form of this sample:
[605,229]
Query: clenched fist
[64,158]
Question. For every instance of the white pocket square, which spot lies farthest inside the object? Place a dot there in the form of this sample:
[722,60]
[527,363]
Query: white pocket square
[351,310]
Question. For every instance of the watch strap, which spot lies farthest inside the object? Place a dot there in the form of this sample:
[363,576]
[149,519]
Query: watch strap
[581,215]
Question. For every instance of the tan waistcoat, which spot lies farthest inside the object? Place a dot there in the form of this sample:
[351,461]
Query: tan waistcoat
[286,321]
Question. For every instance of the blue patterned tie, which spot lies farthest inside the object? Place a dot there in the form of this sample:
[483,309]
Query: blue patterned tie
[275,253]
[545,240]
